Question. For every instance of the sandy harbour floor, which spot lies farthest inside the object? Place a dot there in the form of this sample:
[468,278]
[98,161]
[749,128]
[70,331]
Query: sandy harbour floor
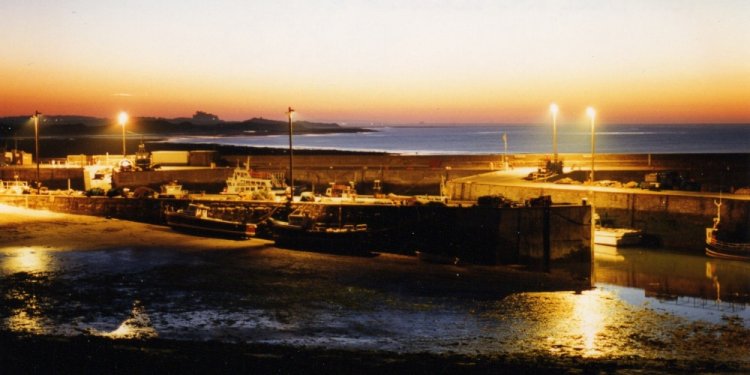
[89,294]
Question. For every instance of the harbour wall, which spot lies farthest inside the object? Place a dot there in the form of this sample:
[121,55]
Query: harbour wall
[408,174]
[544,238]
[670,220]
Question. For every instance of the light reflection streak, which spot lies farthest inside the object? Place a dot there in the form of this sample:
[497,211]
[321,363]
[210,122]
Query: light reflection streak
[577,324]
[136,326]
[31,259]
[588,317]
[22,321]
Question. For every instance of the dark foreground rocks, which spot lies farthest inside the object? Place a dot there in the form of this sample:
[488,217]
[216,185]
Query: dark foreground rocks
[90,354]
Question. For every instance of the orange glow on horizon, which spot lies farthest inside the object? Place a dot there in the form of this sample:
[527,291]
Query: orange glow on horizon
[447,63]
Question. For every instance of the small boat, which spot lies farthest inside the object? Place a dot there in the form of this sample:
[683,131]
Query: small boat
[15,187]
[172,190]
[724,244]
[732,250]
[321,227]
[253,185]
[605,234]
[202,219]
[618,237]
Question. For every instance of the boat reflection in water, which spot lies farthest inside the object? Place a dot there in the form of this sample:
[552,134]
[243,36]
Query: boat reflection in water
[693,286]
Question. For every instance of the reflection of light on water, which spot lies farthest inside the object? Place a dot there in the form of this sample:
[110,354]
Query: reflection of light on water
[589,319]
[21,321]
[577,323]
[25,259]
[24,319]
[607,253]
[136,326]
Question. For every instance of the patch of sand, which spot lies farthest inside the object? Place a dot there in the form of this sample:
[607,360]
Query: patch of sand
[20,227]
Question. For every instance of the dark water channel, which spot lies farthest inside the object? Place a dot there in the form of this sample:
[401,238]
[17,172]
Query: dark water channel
[646,303]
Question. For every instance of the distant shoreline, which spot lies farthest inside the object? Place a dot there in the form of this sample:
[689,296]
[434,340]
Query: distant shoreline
[60,147]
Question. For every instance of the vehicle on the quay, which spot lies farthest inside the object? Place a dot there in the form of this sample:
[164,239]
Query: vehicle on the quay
[235,222]
[321,226]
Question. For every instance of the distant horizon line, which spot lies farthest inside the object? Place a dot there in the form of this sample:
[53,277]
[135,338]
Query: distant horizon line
[362,123]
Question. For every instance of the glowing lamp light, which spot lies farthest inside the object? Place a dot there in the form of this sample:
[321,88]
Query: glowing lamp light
[553,108]
[122,118]
[591,112]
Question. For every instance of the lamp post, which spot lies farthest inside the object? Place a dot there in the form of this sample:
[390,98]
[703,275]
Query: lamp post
[122,119]
[554,109]
[36,142]
[289,113]
[591,112]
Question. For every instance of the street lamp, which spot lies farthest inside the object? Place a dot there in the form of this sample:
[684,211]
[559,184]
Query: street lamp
[36,142]
[289,113]
[554,109]
[591,112]
[122,119]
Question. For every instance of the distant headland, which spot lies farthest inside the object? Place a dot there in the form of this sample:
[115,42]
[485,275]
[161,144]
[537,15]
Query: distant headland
[201,123]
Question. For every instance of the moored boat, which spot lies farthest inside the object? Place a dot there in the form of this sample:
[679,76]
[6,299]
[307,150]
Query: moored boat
[15,187]
[732,250]
[253,185]
[606,234]
[724,244]
[618,237]
[200,219]
[172,190]
[321,227]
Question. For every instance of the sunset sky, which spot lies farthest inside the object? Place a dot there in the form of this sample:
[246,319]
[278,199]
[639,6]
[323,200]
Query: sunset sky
[393,61]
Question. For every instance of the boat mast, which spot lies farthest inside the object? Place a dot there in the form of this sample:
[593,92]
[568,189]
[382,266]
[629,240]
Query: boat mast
[717,219]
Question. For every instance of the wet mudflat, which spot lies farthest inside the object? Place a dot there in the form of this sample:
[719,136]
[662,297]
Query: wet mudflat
[119,288]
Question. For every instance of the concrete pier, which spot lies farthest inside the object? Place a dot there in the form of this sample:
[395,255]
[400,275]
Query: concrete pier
[674,219]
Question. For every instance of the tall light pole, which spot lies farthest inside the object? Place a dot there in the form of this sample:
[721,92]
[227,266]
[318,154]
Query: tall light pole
[36,142]
[591,112]
[122,119]
[554,109]
[289,113]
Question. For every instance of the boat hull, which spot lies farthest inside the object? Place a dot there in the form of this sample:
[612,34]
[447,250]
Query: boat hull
[726,250]
[335,240]
[210,226]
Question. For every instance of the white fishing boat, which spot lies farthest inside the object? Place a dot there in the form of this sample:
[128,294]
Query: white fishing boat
[172,190]
[605,234]
[15,187]
[253,185]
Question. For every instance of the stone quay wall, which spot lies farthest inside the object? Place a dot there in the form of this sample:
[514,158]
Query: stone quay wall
[675,221]
[473,234]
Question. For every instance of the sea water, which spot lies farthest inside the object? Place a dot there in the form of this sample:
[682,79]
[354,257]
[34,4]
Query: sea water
[515,139]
